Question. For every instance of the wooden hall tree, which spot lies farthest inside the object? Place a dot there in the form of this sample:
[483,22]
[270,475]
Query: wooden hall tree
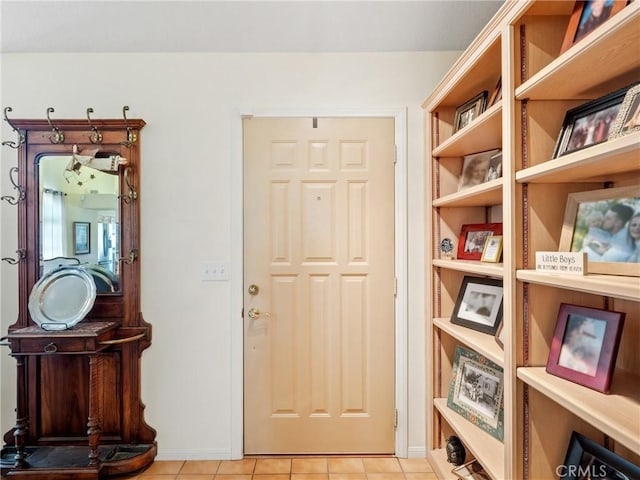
[79,413]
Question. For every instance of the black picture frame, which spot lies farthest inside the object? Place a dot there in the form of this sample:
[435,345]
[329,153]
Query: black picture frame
[470,110]
[589,124]
[81,238]
[479,304]
[587,459]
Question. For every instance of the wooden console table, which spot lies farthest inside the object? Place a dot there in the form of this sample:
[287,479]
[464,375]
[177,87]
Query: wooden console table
[86,338]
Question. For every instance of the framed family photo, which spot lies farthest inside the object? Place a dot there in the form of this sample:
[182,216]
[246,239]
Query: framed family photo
[479,304]
[589,124]
[476,391]
[606,225]
[472,238]
[586,459]
[585,345]
[469,111]
[586,16]
[81,238]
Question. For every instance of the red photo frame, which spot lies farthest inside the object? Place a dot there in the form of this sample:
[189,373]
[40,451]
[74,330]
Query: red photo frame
[472,239]
[585,19]
[585,345]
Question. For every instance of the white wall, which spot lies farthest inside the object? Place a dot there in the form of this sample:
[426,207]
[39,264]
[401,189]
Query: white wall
[191,104]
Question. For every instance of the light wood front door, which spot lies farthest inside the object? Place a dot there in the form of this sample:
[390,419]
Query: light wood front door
[319,250]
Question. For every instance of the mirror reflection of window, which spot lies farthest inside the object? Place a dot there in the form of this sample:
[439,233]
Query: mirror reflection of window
[82,195]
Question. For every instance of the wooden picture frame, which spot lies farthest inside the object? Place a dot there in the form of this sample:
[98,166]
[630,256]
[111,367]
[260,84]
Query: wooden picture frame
[587,459]
[496,95]
[585,18]
[628,119]
[479,304]
[585,345]
[480,167]
[588,124]
[81,238]
[469,111]
[492,249]
[591,222]
[476,391]
[472,239]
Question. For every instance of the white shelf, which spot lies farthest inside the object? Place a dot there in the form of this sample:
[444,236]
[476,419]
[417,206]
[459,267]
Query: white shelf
[471,266]
[478,341]
[484,133]
[596,163]
[488,450]
[616,414]
[627,288]
[591,68]
[483,195]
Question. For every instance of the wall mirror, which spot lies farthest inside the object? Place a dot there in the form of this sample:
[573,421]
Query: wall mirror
[79,219]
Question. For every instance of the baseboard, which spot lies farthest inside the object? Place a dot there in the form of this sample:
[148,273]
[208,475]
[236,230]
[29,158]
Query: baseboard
[417,452]
[195,454]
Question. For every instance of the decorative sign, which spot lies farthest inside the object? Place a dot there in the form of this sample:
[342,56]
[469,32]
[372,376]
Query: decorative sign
[573,263]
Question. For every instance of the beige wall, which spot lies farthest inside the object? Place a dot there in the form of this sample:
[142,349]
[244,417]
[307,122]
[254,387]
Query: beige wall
[191,103]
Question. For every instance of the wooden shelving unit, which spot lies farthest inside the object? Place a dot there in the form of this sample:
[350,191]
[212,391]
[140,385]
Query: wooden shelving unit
[521,46]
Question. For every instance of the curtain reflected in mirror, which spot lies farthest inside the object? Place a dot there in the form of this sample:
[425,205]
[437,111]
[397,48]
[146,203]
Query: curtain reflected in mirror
[79,220]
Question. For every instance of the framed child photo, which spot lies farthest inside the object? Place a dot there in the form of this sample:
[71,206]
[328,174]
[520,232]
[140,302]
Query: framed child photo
[473,236]
[586,16]
[585,345]
[628,119]
[476,391]
[479,304]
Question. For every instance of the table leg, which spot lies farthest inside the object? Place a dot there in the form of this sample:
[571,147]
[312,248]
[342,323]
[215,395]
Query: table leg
[22,416]
[94,425]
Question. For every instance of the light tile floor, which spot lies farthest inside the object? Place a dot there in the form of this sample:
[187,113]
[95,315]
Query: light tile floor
[291,468]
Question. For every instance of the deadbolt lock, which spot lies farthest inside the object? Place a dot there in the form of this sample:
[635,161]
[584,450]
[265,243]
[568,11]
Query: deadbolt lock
[253,289]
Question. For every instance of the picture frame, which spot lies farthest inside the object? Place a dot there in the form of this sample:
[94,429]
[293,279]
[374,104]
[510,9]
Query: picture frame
[81,238]
[471,471]
[586,16]
[585,345]
[587,459]
[472,239]
[499,336]
[496,95]
[470,110]
[480,167]
[479,304]
[628,119]
[476,391]
[589,124]
[492,249]
[596,222]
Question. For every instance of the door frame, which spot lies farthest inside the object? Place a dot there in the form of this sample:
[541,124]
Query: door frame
[400,259]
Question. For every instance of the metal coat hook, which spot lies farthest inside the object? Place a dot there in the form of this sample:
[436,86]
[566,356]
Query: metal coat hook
[132,194]
[57,136]
[21,193]
[131,136]
[129,259]
[21,136]
[96,136]
[22,255]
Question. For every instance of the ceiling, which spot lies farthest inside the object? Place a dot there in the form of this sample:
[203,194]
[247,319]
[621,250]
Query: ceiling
[241,26]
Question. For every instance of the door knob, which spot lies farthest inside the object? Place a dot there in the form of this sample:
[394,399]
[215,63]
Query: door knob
[255,313]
